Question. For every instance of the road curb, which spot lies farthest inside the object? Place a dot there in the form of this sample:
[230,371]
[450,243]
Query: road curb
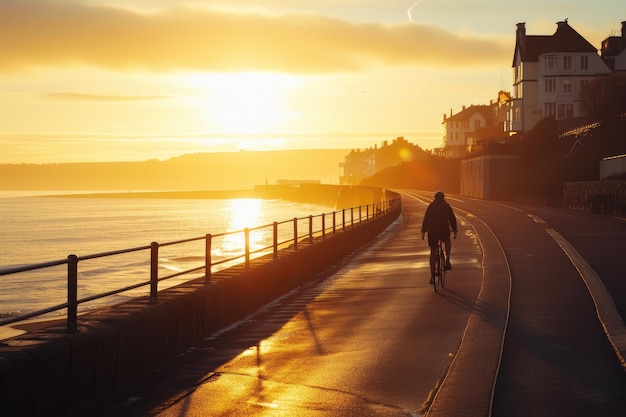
[481,347]
[606,311]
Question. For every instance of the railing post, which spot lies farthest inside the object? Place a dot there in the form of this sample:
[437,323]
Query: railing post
[360,214]
[367,212]
[246,232]
[154,272]
[351,216]
[295,233]
[72,294]
[334,221]
[343,219]
[275,242]
[310,229]
[323,225]
[208,241]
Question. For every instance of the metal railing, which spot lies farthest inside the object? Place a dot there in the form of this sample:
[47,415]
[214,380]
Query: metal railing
[317,227]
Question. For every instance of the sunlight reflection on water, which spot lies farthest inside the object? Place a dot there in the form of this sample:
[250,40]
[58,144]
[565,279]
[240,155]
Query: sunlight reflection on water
[37,229]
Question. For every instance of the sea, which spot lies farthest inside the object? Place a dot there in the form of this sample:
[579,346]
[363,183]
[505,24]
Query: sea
[38,229]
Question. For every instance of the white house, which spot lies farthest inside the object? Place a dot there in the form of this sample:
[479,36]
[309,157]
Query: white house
[549,74]
[472,125]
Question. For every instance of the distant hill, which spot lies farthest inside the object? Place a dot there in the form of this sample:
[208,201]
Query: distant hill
[201,171]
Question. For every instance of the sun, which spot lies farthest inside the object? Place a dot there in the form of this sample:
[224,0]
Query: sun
[246,103]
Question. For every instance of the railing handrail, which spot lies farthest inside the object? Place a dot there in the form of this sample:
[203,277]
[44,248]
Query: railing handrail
[73,260]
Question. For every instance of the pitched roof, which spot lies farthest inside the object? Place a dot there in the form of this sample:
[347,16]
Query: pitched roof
[535,46]
[565,39]
[466,113]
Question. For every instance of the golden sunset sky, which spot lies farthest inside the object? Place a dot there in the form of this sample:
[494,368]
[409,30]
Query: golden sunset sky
[113,80]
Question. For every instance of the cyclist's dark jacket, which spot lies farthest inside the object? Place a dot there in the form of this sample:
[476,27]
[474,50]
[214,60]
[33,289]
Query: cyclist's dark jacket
[438,221]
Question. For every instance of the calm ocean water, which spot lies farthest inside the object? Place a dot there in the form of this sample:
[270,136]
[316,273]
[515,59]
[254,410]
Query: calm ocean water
[39,229]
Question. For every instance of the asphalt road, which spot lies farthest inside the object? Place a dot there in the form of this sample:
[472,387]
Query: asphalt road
[373,339]
[556,358]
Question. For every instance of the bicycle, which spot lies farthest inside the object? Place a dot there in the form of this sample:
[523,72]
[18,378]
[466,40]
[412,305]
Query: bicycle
[440,267]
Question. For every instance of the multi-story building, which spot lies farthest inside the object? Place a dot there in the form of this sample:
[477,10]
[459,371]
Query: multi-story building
[614,51]
[473,125]
[360,164]
[549,74]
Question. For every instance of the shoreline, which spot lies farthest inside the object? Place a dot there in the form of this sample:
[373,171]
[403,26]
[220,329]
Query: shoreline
[198,194]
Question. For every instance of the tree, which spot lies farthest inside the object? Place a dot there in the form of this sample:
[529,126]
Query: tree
[606,96]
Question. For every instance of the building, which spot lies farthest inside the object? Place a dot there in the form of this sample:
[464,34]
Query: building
[360,164]
[473,125]
[613,51]
[549,74]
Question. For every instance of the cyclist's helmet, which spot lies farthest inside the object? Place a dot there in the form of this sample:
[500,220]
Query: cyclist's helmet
[439,194]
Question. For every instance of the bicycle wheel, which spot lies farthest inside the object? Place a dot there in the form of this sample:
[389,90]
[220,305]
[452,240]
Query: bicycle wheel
[442,262]
[438,268]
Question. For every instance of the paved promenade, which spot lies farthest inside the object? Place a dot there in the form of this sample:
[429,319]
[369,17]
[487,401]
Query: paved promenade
[521,329]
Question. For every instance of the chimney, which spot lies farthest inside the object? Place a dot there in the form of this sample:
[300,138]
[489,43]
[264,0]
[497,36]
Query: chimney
[624,30]
[521,35]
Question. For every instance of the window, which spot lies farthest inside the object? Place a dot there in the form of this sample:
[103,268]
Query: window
[550,85]
[567,87]
[476,124]
[567,63]
[550,109]
[584,62]
[565,111]
[583,84]
[550,62]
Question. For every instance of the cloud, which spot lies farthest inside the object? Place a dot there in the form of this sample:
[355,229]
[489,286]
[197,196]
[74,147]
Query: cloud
[96,97]
[40,33]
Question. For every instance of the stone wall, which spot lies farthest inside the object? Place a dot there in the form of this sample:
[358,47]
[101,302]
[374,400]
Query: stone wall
[600,197]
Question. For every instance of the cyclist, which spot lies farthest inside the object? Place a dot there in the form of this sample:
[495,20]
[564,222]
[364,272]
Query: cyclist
[439,219]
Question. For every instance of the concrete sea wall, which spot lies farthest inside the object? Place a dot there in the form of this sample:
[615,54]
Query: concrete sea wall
[51,372]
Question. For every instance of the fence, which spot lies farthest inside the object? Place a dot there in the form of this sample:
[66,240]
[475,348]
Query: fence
[284,234]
